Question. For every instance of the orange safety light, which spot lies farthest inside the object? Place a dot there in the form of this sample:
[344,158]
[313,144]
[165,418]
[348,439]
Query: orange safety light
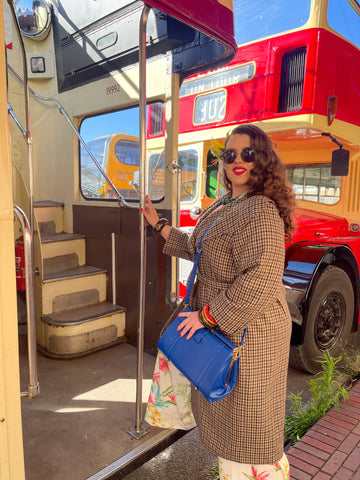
[331,108]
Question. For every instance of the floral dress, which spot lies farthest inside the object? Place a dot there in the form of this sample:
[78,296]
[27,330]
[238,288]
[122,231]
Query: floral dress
[169,404]
[242,471]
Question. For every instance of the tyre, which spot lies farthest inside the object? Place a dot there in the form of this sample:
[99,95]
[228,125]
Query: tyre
[329,321]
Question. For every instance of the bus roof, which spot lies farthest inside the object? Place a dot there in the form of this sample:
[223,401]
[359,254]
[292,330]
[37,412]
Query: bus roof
[214,18]
[112,20]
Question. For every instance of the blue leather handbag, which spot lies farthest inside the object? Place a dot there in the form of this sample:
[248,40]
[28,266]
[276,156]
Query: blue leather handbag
[208,359]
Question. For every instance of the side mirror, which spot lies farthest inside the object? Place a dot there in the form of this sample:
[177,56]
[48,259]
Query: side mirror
[195,212]
[34,18]
[340,163]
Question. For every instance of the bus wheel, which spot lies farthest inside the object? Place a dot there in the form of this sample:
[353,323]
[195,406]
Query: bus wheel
[329,320]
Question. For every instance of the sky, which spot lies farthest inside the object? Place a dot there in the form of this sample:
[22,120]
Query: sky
[125,121]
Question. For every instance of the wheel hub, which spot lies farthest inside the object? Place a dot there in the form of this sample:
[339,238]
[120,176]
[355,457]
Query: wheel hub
[330,320]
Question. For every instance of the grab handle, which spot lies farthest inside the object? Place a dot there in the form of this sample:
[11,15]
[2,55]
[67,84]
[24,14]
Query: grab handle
[33,387]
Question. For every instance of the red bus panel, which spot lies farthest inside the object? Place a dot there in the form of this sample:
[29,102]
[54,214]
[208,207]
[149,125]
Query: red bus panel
[332,67]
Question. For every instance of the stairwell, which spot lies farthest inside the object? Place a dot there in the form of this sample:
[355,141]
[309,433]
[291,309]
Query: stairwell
[73,316]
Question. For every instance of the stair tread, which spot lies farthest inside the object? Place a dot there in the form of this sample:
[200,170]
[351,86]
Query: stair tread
[82,314]
[60,237]
[47,203]
[81,271]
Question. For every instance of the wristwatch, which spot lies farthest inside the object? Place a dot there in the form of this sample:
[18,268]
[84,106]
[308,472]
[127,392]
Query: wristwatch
[160,225]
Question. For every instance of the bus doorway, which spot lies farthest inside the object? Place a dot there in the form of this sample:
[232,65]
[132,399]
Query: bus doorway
[67,62]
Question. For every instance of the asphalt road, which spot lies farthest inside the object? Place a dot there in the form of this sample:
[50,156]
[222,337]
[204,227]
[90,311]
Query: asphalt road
[187,459]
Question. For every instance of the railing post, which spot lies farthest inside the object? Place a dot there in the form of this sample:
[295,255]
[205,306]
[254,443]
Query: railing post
[33,389]
[139,430]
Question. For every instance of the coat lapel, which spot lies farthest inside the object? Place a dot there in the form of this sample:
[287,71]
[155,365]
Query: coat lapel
[230,218]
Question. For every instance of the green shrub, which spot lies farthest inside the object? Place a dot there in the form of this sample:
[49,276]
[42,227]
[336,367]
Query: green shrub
[327,390]
[350,363]
[214,472]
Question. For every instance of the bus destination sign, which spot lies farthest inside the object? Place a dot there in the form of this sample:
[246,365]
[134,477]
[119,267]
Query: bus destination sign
[210,107]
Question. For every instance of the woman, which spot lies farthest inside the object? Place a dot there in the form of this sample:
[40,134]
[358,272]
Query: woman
[239,284]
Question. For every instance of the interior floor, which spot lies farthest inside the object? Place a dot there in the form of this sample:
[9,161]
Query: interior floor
[78,424]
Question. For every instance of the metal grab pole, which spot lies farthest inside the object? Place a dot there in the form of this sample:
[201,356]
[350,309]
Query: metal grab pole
[139,430]
[176,170]
[33,389]
[26,131]
[113,267]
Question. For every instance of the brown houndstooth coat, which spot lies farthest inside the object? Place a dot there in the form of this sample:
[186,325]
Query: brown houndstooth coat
[240,276]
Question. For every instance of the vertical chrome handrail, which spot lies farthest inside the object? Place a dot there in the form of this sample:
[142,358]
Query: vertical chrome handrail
[33,388]
[26,132]
[176,170]
[113,267]
[139,430]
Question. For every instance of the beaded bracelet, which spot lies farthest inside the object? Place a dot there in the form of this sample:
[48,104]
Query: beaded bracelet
[206,319]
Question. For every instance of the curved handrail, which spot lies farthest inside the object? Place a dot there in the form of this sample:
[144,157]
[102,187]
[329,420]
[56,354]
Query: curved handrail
[33,388]
[82,141]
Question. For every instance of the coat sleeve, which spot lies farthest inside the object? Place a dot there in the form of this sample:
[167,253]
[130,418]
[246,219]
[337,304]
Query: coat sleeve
[258,254]
[180,244]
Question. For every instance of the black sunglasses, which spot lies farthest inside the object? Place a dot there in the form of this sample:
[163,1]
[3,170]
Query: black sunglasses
[247,155]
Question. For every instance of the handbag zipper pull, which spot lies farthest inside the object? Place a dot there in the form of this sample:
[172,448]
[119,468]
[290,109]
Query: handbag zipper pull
[235,356]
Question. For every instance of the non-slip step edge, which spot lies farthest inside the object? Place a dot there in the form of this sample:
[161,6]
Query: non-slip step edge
[81,315]
[61,237]
[83,271]
[47,203]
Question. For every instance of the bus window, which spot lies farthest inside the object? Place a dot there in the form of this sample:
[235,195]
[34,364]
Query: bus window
[212,173]
[315,183]
[188,159]
[258,19]
[189,162]
[156,165]
[113,139]
[92,183]
[348,23]
[127,152]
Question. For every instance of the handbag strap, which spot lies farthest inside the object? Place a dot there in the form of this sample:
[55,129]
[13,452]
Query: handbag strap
[193,271]
[186,300]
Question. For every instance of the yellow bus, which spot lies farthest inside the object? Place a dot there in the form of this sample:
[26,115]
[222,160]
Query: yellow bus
[118,154]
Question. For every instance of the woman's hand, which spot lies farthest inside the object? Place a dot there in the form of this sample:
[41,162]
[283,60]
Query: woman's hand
[149,212]
[190,324]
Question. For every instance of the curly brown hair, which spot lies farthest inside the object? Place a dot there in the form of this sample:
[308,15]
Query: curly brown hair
[268,177]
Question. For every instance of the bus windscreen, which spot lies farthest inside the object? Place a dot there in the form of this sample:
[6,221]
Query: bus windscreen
[255,19]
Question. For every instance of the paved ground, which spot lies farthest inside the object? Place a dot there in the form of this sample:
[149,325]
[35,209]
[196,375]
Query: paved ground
[184,460]
[187,459]
[330,450]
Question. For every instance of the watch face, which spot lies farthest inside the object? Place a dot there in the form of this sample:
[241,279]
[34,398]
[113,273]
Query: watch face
[160,224]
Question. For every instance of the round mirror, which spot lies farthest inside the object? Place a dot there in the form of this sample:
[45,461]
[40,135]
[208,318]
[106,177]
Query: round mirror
[34,18]
[195,212]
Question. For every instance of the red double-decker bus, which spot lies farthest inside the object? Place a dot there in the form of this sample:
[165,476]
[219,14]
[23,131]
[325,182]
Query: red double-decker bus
[297,76]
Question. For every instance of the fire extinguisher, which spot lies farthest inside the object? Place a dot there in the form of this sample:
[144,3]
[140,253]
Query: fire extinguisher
[20,264]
